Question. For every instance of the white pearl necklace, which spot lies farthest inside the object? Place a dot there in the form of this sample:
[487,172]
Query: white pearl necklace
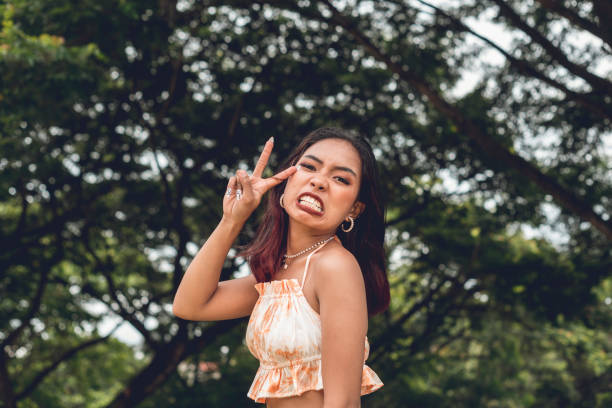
[285,257]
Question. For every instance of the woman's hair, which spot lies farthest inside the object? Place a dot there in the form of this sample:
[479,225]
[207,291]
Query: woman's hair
[365,241]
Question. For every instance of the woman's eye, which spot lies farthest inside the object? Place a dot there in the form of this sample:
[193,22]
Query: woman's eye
[343,180]
[312,168]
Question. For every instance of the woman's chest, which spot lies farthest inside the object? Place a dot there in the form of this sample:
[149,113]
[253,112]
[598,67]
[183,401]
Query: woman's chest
[283,326]
[307,287]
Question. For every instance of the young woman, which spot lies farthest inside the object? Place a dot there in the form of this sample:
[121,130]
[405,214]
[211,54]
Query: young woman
[318,272]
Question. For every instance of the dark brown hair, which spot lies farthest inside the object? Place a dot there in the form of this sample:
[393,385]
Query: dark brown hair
[365,241]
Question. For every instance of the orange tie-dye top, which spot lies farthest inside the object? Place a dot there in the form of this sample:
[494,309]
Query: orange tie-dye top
[284,334]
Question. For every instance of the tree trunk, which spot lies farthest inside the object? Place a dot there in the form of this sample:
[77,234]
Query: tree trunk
[165,362]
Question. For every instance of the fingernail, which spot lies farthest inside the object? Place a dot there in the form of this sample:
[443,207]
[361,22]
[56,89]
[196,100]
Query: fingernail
[271,139]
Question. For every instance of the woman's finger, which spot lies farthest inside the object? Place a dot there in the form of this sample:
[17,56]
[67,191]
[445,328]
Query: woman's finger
[243,177]
[278,178]
[263,158]
[231,187]
[285,173]
[239,190]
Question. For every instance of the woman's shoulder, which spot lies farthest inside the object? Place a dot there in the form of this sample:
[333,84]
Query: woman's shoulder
[336,264]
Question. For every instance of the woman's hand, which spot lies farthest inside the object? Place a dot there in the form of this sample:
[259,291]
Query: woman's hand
[244,192]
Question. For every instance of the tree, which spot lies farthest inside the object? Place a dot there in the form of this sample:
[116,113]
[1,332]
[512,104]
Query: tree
[120,122]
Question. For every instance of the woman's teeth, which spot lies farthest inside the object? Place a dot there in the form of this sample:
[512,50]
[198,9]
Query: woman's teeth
[311,202]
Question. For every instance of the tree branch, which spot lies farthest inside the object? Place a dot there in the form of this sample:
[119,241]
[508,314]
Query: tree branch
[597,83]
[9,243]
[396,325]
[165,361]
[574,18]
[179,226]
[105,268]
[408,213]
[65,356]
[22,217]
[6,386]
[526,68]
[450,340]
[36,299]
[433,322]
[235,118]
[491,147]
[603,10]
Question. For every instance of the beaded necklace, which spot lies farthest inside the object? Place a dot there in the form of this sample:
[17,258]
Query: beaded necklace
[287,257]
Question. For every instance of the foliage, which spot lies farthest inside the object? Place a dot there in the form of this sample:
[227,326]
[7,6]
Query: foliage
[120,122]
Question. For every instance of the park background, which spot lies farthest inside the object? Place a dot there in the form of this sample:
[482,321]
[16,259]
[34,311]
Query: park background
[120,122]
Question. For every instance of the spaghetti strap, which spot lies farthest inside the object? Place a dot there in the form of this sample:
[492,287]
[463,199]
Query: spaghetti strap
[308,262]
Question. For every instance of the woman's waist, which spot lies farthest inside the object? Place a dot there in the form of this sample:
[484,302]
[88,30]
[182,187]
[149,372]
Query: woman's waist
[309,399]
[290,356]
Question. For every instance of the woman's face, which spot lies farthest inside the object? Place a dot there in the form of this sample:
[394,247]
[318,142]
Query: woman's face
[324,190]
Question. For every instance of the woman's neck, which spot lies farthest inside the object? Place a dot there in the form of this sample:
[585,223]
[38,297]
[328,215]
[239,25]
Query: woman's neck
[299,239]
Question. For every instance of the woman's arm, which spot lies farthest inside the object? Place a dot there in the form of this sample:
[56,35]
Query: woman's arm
[201,279]
[200,296]
[344,324]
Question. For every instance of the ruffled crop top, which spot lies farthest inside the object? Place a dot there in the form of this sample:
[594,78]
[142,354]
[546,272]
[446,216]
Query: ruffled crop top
[284,334]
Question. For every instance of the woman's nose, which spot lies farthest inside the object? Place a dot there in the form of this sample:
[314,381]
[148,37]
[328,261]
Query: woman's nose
[319,183]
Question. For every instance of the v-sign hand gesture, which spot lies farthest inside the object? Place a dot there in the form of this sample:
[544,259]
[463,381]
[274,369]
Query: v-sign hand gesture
[244,192]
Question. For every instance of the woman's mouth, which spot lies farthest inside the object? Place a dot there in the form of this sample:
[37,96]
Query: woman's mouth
[311,204]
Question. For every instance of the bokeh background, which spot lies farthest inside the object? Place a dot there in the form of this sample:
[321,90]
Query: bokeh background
[120,122]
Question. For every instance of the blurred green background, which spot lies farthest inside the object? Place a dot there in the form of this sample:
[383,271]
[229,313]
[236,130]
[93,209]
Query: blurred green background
[120,122]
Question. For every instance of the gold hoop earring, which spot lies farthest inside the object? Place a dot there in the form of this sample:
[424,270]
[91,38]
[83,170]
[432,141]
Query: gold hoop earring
[281,200]
[351,219]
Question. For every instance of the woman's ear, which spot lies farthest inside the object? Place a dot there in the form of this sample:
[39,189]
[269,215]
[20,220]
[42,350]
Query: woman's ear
[357,209]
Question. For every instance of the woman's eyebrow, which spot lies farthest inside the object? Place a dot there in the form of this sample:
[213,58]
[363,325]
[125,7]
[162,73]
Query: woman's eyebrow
[315,158]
